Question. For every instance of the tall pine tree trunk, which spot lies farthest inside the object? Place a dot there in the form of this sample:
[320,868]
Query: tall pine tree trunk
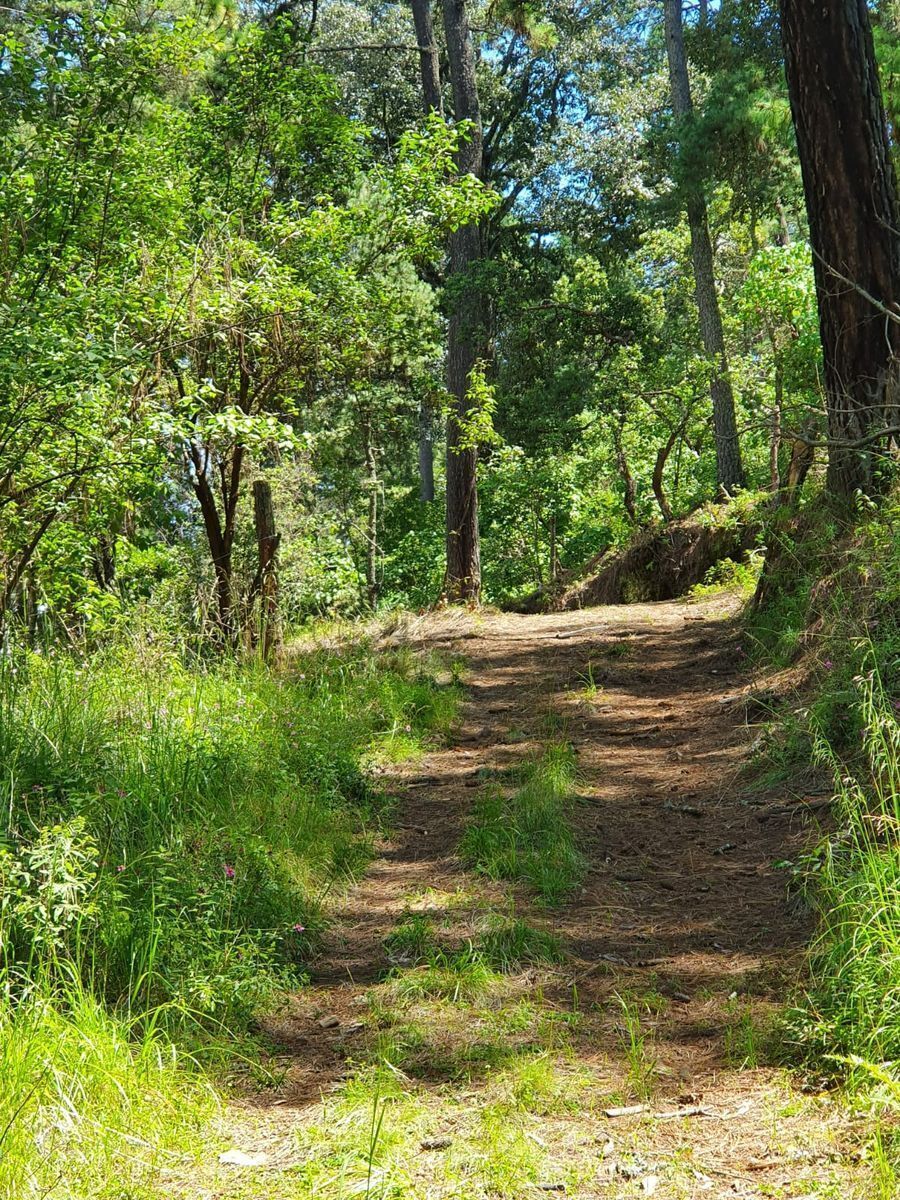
[851,199]
[429,70]
[429,61]
[729,469]
[465,333]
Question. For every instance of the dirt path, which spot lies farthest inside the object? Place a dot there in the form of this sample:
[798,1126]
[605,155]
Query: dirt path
[679,944]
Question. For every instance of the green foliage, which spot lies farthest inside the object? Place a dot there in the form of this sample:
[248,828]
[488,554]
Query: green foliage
[730,576]
[107,1097]
[854,1002]
[832,598]
[169,832]
[476,425]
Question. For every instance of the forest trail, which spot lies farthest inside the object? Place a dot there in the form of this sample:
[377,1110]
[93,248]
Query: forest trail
[679,945]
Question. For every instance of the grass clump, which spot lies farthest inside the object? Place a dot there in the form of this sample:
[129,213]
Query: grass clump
[854,1000]
[412,941]
[527,836]
[637,1040]
[511,943]
[460,975]
[830,604]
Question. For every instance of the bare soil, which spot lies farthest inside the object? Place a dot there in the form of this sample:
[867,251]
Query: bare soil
[683,907]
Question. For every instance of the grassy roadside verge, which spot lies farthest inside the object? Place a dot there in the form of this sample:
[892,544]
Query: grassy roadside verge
[832,616]
[168,836]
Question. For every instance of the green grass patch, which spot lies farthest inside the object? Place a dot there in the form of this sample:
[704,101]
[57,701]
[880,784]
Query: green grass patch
[833,591]
[505,944]
[527,836]
[91,1104]
[853,878]
[511,943]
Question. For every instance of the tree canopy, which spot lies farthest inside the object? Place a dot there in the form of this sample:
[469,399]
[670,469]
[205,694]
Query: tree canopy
[236,241]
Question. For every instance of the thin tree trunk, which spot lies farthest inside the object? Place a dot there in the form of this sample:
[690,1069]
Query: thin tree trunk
[659,491]
[630,493]
[267,541]
[851,200]
[426,452]
[729,468]
[219,531]
[783,237]
[28,552]
[465,332]
[429,60]
[372,519]
[775,438]
[430,72]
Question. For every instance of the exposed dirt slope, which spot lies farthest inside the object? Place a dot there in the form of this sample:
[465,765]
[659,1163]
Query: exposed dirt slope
[682,915]
[661,563]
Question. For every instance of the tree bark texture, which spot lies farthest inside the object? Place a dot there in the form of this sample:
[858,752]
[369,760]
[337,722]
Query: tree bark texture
[465,332]
[729,468]
[851,200]
[267,540]
[429,60]
[430,72]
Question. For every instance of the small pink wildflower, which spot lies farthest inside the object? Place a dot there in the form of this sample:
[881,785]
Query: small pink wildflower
[298,928]
[828,664]
[229,870]
[120,868]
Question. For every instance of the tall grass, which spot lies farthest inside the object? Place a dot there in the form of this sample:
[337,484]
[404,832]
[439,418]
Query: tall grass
[168,834]
[90,1106]
[854,1000]
[528,836]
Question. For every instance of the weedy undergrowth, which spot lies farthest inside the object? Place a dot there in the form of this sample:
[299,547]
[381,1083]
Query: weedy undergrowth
[168,833]
[637,1043]
[854,880]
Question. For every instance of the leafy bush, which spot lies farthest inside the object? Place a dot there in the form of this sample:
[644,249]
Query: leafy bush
[729,576]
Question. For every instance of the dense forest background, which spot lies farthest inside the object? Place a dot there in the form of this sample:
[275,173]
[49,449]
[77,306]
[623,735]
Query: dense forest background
[226,237]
